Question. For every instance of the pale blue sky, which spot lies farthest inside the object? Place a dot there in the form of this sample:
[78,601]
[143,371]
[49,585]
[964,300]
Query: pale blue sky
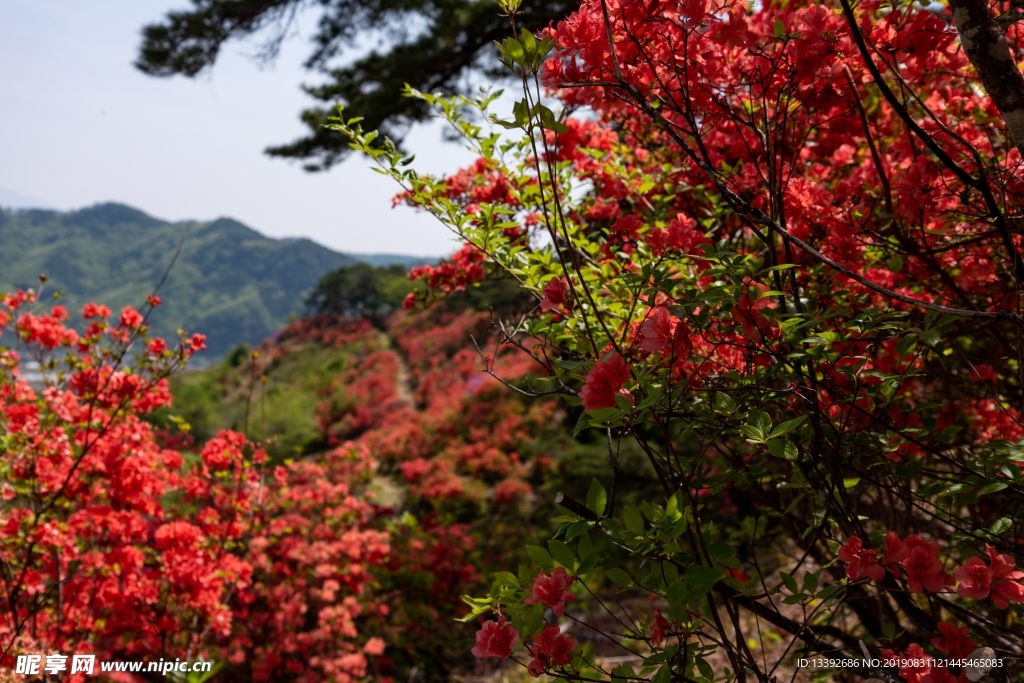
[80,125]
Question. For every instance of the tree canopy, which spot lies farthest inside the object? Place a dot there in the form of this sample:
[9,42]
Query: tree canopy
[452,43]
[361,290]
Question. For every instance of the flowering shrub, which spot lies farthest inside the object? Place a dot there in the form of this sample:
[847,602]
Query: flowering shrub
[93,561]
[783,262]
[115,544]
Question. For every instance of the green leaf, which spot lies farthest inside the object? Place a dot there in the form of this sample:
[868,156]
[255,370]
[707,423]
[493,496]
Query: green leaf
[678,593]
[758,427]
[619,577]
[585,547]
[603,414]
[786,427]
[622,672]
[597,498]
[894,263]
[589,565]
[540,556]
[634,522]
[507,578]
[992,488]
[889,629]
[560,551]
[720,551]
[531,623]
[575,529]
[512,49]
[701,579]
[790,582]
[779,29]
[783,449]
[724,404]
[664,674]
[581,424]
[1000,525]
[811,582]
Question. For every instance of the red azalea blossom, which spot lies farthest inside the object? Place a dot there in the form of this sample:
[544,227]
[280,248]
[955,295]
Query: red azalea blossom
[130,318]
[997,580]
[659,625]
[860,563]
[552,590]
[604,383]
[657,330]
[554,295]
[157,346]
[550,648]
[374,647]
[894,551]
[197,342]
[91,310]
[923,567]
[748,313]
[495,639]
[917,664]
[954,641]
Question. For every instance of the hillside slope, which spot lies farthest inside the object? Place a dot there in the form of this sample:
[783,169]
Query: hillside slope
[230,282]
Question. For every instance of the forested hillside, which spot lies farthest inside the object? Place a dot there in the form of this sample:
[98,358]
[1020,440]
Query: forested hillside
[230,282]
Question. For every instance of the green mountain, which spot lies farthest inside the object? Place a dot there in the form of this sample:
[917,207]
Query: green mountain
[229,282]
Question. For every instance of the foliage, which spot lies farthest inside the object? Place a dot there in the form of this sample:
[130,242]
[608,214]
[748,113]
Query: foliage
[450,38]
[795,291]
[360,290]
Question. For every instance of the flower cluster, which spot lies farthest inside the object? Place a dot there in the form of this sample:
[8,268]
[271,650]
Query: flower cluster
[551,648]
[924,571]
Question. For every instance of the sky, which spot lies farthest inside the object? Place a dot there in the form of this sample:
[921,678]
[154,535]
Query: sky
[80,125]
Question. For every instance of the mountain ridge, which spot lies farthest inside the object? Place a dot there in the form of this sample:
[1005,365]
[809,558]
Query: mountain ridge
[229,282]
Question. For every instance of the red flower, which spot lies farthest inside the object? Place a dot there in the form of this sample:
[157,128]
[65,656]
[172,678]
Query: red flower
[554,295]
[998,579]
[659,625]
[657,330]
[604,383]
[130,317]
[894,551]
[975,579]
[157,346]
[495,639]
[550,648]
[153,300]
[91,310]
[860,563]
[197,342]
[748,314]
[738,574]
[924,569]
[954,641]
[374,646]
[552,590]
[915,655]
[683,234]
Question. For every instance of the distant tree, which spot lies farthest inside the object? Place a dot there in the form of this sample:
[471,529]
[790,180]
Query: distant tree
[361,290]
[453,41]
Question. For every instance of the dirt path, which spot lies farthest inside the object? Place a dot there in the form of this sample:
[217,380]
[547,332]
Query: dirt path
[402,381]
